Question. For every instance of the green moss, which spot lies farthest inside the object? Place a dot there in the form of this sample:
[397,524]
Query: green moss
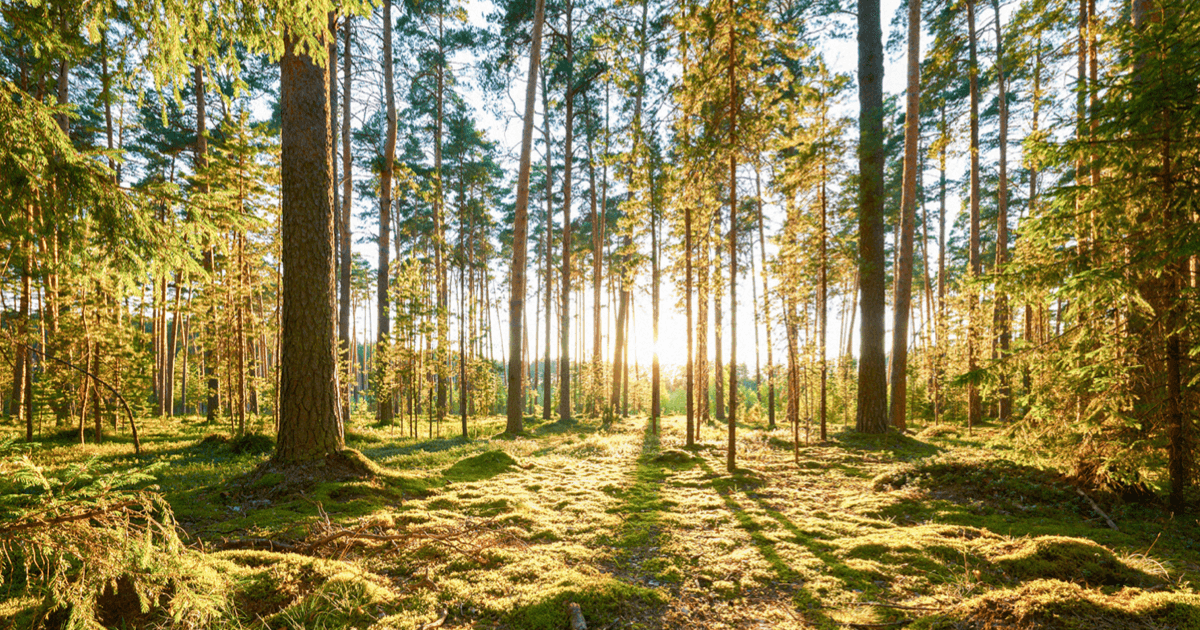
[252,444]
[602,599]
[1052,604]
[1070,560]
[480,467]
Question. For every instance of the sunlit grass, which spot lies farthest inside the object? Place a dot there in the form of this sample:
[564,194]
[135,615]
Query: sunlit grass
[644,533]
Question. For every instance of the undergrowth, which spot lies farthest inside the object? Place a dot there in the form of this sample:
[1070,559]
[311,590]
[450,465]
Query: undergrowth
[939,529]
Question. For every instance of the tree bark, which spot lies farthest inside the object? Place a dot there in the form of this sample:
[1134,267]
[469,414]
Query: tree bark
[520,232]
[872,379]
[564,361]
[310,423]
[383,413]
[974,404]
[908,209]
[1002,317]
[345,232]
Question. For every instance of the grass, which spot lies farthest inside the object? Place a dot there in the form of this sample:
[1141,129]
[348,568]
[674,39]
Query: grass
[937,529]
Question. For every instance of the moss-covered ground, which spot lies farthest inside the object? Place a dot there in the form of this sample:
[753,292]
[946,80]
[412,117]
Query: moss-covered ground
[937,529]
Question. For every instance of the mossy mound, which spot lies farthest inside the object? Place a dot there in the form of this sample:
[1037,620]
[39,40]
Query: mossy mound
[1066,559]
[252,444]
[1057,605]
[997,480]
[675,457]
[213,439]
[289,590]
[602,599]
[479,467]
[274,480]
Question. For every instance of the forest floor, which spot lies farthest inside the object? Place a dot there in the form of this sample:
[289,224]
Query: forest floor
[939,529]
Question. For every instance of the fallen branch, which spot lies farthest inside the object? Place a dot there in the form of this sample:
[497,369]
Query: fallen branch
[896,606]
[1097,509]
[58,520]
[890,624]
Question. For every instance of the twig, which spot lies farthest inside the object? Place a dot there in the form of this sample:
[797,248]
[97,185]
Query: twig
[1097,509]
[437,623]
[896,606]
[890,624]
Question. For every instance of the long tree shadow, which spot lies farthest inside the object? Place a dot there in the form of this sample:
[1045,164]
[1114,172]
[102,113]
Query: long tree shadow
[806,602]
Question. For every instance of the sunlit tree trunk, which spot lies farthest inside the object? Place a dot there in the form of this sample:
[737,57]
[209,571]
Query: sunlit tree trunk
[872,379]
[344,309]
[310,424]
[520,232]
[908,209]
[564,361]
[1003,321]
[974,404]
[383,413]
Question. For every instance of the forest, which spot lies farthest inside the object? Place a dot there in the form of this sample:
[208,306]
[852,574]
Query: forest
[299,331]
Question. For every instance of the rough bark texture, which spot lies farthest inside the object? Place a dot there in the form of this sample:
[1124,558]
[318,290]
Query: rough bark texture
[872,381]
[516,305]
[908,210]
[310,423]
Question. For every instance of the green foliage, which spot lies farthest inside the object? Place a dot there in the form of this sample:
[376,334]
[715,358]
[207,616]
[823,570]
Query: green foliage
[94,553]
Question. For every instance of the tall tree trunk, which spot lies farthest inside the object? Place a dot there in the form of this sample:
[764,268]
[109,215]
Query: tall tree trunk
[564,361]
[344,233]
[213,402]
[310,423]
[547,264]
[691,380]
[439,230]
[974,404]
[520,231]
[731,448]
[619,348]
[766,309]
[21,392]
[1002,317]
[383,412]
[908,210]
[823,297]
[872,379]
[718,330]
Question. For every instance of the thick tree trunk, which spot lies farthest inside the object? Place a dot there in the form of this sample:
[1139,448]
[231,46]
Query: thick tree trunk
[310,423]
[520,232]
[872,377]
[908,209]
